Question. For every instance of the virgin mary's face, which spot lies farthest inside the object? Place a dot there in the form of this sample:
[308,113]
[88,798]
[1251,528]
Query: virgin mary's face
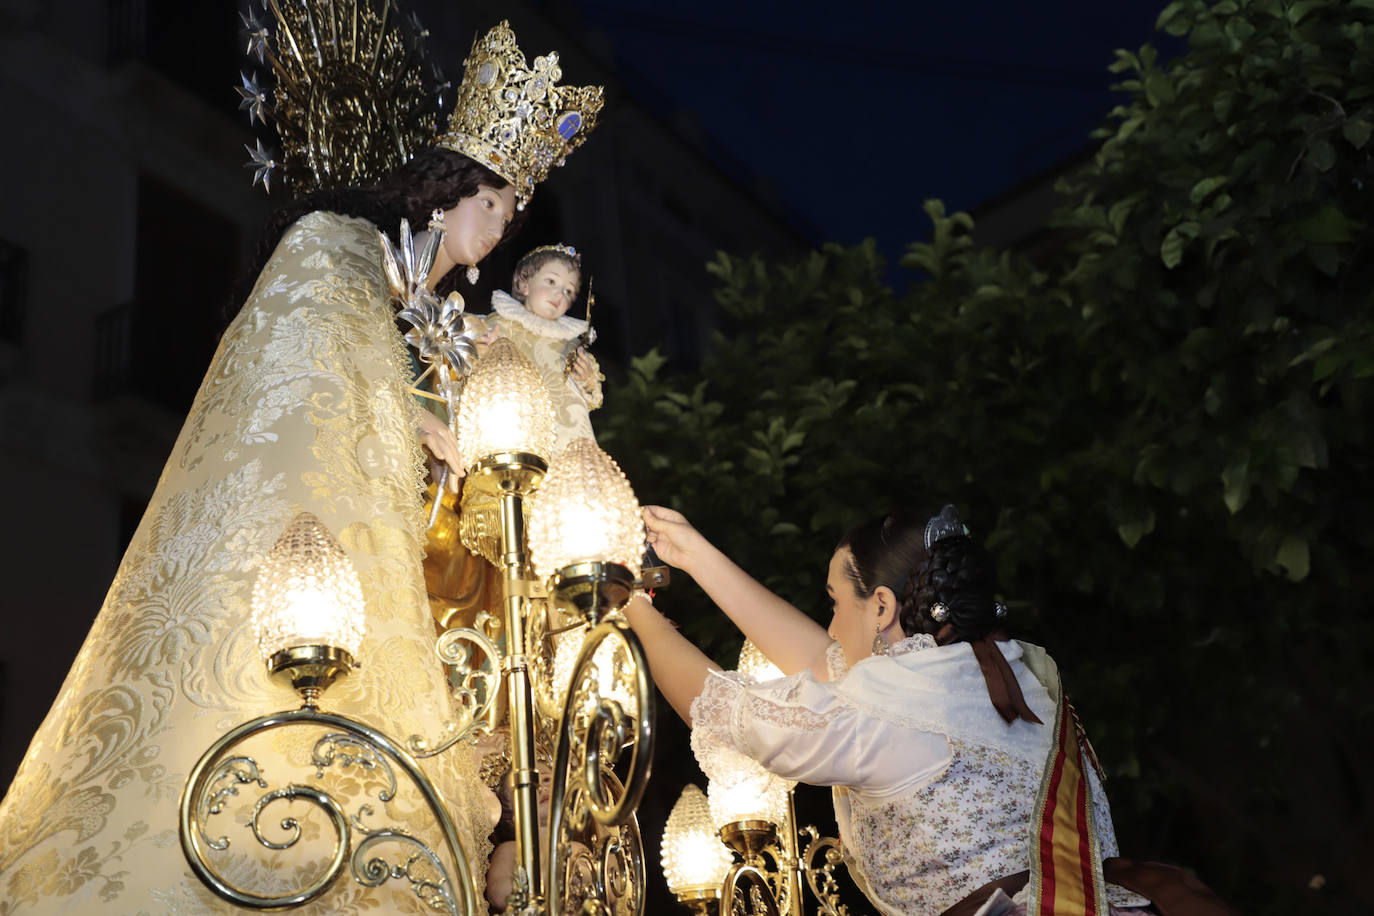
[475,226]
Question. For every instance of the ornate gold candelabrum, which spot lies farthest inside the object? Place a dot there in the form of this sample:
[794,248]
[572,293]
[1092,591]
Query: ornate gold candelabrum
[591,725]
[736,850]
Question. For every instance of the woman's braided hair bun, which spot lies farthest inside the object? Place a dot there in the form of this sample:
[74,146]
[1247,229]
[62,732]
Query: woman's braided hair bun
[957,573]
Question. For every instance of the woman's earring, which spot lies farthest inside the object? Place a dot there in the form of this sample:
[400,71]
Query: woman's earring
[473,274]
[880,646]
[938,612]
[1000,609]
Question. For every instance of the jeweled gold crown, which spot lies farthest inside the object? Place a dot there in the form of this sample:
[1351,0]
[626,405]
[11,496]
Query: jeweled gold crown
[514,118]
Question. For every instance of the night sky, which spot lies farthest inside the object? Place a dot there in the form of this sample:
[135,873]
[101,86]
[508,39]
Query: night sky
[857,113]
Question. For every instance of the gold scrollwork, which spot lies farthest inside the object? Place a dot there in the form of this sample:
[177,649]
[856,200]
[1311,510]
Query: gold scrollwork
[473,661]
[749,892]
[599,863]
[215,779]
[822,879]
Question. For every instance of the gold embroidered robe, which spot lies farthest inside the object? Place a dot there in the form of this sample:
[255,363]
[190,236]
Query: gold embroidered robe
[304,407]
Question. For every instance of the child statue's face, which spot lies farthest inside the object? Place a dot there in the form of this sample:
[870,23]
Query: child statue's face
[552,289]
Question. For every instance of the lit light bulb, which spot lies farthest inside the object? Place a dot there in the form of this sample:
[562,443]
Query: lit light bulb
[585,511]
[694,858]
[505,407]
[307,593]
[742,790]
[754,666]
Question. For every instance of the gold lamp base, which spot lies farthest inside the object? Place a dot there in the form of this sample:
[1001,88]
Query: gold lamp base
[310,669]
[593,588]
[749,838]
[506,472]
[703,901]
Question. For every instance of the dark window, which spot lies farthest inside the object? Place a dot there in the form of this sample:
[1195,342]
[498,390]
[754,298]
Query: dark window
[14,284]
[183,277]
[114,355]
[125,29]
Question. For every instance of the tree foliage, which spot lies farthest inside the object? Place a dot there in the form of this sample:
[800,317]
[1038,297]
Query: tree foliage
[1157,419]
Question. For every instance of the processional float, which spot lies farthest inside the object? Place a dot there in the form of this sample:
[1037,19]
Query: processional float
[557,669]
[554,671]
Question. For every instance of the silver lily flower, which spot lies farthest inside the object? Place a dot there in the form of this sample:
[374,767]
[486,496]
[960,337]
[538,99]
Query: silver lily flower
[406,274]
[437,332]
[438,336]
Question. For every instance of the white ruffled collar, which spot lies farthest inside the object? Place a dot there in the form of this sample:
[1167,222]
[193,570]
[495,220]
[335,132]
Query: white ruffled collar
[564,327]
[912,644]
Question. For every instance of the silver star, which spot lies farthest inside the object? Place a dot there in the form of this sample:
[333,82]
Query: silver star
[255,33]
[252,98]
[264,163]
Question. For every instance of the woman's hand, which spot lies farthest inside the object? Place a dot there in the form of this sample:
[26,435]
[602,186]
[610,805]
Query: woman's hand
[672,537]
[443,447]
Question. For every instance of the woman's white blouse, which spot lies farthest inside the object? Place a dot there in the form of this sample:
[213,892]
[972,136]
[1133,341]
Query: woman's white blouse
[934,792]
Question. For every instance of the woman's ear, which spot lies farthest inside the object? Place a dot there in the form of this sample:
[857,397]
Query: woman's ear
[521,287]
[887,606]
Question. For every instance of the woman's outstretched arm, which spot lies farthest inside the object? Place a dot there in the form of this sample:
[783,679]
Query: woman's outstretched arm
[678,667]
[790,639]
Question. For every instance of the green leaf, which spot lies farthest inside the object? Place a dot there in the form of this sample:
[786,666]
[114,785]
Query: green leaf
[1205,187]
[1293,556]
[1118,213]
[1321,154]
[1356,131]
[1235,482]
[1171,249]
[1159,88]
[1329,226]
[1132,532]
[1298,11]
[1171,21]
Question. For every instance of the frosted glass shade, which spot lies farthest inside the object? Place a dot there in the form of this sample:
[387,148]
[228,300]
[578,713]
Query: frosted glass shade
[585,511]
[307,593]
[693,856]
[505,407]
[742,790]
[568,645]
[754,666]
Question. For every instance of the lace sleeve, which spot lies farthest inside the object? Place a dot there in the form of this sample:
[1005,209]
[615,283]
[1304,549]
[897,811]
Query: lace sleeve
[712,712]
[835,664]
[798,728]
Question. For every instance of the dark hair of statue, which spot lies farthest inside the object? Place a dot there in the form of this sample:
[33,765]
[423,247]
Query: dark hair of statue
[531,263]
[890,551]
[433,179]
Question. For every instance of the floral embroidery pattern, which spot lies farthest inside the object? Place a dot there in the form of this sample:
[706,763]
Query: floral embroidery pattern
[310,368]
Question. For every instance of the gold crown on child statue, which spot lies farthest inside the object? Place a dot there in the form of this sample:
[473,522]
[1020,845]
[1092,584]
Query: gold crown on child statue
[514,118]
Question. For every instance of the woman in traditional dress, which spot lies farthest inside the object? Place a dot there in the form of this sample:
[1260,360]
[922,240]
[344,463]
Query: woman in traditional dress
[936,730]
[306,406]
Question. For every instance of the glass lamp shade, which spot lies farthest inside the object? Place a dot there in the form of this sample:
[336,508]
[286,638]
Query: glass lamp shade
[307,593]
[694,858]
[754,666]
[585,511]
[608,658]
[742,790]
[505,407]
